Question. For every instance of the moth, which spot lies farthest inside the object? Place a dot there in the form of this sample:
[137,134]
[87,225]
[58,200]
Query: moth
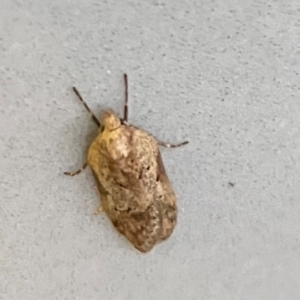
[135,191]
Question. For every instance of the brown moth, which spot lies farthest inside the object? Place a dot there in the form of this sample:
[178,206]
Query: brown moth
[135,190]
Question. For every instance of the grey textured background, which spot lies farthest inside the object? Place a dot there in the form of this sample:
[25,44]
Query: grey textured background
[223,74]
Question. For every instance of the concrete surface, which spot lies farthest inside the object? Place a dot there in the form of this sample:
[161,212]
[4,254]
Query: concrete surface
[223,74]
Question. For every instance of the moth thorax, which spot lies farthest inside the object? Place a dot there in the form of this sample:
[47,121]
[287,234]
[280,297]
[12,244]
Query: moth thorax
[111,121]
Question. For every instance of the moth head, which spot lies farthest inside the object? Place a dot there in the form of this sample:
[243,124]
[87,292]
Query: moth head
[111,121]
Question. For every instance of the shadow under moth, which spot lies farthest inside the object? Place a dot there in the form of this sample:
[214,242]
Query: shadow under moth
[135,191]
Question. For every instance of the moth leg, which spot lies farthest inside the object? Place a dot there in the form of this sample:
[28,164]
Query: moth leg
[78,171]
[171,145]
[98,210]
[96,121]
[125,116]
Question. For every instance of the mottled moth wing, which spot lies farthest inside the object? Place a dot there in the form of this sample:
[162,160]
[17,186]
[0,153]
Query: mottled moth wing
[135,191]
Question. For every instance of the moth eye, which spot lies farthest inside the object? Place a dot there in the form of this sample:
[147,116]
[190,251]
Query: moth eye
[157,177]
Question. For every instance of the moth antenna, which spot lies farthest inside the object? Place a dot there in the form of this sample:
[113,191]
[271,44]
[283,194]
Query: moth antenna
[96,121]
[125,117]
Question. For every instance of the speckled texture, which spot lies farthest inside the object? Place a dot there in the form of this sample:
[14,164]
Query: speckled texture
[223,74]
